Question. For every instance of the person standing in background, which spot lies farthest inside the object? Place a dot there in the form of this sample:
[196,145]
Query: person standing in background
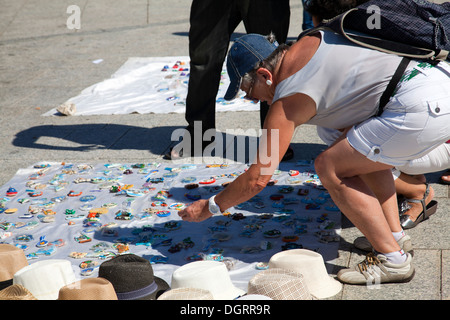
[212,23]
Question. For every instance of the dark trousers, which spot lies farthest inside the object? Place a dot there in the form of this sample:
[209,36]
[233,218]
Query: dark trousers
[212,23]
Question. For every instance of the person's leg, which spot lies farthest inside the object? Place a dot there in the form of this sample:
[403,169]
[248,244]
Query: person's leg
[209,38]
[413,188]
[387,199]
[307,19]
[340,168]
[445,177]
[264,17]
[208,46]
[348,176]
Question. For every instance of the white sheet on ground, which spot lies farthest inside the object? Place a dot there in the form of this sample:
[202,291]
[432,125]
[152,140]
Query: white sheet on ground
[131,231]
[141,86]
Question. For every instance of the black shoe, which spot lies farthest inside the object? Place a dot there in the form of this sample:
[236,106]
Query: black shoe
[179,154]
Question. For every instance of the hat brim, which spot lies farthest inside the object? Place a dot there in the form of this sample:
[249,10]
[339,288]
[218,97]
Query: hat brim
[328,289]
[162,287]
[5,284]
[229,294]
[234,86]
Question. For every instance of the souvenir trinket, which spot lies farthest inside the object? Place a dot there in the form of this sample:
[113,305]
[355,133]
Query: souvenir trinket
[291,245]
[193,197]
[312,206]
[88,264]
[35,194]
[87,198]
[42,242]
[11,192]
[123,215]
[177,206]
[332,208]
[82,238]
[276,197]
[195,257]
[207,181]
[163,213]
[274,233]
[158,259]
[289,238]
[24,238]
[77,255]
[121,247]
[265,245]
[262,266]
[237,216]
[73,194]
[172,225]
[285,189]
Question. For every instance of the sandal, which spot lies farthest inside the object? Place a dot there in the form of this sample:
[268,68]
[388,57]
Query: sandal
[442,181]
[427,211]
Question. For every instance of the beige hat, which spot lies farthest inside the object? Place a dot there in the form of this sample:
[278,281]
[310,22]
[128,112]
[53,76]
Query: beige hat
[208,275]
[45,278]
[88,289]
[312,266]
[254,297]
[279,284]
[12,259]
[186,294]
[16,292]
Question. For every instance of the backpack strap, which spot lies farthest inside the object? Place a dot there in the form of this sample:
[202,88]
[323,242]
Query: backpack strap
[392,84]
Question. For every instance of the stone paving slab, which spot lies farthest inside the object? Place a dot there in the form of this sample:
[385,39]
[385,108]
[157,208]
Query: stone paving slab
[43,63]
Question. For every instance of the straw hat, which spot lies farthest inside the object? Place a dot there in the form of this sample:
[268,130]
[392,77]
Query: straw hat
[16,292]
[279,284]
[186,294]
[208,275]
[312,266]
[132,278]
[12,259]
[45,278]
[88,289]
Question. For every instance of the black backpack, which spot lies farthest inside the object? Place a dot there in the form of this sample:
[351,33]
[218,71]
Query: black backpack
[413,29]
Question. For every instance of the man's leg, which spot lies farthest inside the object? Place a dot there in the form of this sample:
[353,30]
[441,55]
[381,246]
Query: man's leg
[264,17]
[208,46]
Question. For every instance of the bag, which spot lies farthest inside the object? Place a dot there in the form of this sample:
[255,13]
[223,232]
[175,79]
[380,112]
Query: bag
[417,29]
[413,29]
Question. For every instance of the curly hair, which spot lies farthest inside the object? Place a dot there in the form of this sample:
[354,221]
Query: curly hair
[327,9]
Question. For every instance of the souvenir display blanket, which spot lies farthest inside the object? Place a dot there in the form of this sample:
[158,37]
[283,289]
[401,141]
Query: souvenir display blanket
[148,85]
[88,213]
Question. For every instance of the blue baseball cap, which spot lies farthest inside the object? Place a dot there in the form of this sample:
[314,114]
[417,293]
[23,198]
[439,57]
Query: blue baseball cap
[243,56]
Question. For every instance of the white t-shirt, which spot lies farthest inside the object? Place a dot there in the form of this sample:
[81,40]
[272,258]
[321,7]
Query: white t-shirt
[345,81]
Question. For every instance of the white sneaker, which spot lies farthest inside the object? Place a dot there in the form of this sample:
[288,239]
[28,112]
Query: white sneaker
[376,270]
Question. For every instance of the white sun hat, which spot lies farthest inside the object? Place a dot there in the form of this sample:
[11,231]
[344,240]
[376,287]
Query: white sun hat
[312,266]
[208,275]
[45,278]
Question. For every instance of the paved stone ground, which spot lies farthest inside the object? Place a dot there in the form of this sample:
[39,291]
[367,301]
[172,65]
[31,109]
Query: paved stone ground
[43,63]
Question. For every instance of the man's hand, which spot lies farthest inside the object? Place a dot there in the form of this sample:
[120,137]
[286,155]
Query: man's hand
[196,212]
